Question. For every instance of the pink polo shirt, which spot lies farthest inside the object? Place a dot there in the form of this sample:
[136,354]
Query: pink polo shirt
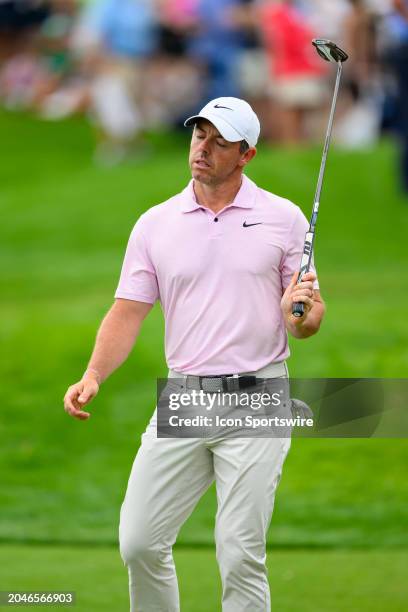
[219,281]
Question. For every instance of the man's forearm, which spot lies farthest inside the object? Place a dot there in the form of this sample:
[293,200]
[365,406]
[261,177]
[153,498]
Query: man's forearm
[115,338]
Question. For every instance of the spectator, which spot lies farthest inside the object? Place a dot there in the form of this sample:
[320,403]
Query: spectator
[175,81]
[253,66]
[297,74]
[217,44]
[53,44]
[178,19]
[17,17]
[359,37]
[359,111]
[117,37]
[21,68]
[398,57]
[326,17]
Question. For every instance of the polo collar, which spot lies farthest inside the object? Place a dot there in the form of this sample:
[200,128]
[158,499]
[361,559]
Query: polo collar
[245,197]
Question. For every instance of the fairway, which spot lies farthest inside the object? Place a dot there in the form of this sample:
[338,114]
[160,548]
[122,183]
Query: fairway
[311,581]
[65,224]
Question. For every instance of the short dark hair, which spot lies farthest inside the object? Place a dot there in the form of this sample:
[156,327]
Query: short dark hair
[243,146]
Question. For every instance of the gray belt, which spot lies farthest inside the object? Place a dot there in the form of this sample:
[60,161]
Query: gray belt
[226,382]
[231,382]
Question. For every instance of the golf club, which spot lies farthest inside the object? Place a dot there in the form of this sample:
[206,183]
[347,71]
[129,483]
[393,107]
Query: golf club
[331,53]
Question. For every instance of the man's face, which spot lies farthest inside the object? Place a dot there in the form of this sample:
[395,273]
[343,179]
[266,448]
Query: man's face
[213,159]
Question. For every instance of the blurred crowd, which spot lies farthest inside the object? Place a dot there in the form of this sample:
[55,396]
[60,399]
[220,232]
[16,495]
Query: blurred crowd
[133,65]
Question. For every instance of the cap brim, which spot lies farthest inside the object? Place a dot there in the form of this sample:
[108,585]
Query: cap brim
[225,129]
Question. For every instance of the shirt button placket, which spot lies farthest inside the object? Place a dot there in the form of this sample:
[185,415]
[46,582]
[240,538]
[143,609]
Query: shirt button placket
[216,229]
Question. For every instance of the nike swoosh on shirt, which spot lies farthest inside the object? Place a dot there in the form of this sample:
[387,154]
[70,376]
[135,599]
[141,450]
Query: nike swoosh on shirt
[245,224]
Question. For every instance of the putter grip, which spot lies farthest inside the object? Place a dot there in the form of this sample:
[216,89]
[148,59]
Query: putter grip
[298,309]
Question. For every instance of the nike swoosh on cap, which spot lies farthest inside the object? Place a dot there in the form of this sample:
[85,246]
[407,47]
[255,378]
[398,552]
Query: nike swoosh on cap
[219,106]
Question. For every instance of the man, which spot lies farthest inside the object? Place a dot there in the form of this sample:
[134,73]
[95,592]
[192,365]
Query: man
[222,258]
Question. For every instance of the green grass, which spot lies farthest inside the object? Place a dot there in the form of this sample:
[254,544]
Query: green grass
[311,581]
[64,228]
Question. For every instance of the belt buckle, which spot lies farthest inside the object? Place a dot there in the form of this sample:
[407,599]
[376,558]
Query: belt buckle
[246,381]
[231,382]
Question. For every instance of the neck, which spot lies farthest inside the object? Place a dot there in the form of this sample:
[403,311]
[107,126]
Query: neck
[217,197]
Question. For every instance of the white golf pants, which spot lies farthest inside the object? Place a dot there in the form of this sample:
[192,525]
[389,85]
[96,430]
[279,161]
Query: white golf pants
[168,477]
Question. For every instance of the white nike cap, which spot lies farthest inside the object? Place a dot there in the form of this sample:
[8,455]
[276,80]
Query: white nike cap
[234,119]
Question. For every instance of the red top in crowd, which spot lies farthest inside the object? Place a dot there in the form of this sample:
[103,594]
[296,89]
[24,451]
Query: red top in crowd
[287,39]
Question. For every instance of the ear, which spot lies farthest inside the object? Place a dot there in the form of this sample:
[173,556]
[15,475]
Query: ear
[247,156]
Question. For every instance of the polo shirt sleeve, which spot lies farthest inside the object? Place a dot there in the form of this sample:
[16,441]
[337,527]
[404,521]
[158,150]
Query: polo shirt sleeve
[295,240]
[138,280]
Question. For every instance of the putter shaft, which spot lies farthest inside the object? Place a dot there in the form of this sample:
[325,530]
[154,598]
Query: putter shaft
[298,307]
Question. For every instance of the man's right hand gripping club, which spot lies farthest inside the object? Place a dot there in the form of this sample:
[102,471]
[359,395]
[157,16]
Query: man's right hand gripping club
[82,393]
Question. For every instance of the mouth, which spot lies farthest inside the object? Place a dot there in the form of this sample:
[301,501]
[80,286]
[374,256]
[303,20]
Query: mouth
[201,163]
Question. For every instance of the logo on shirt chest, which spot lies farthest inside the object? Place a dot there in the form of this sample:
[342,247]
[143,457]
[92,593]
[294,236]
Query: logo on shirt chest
[245,224]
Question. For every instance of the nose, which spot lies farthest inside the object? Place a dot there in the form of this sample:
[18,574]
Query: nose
[203,145]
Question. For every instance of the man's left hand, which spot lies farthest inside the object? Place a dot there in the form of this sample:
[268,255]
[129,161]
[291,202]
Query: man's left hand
[309,323]
[302,292]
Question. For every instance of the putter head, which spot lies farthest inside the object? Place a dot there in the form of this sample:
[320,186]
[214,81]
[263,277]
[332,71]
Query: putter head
[329,51]
[300,409]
